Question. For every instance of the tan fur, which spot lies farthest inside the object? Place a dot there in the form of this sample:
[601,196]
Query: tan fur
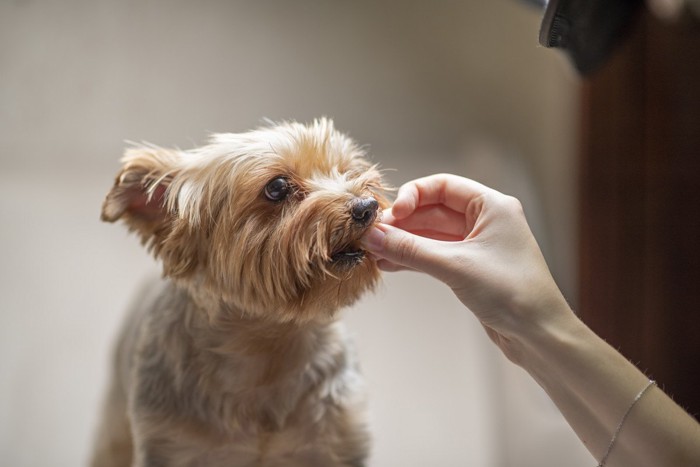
[237,358]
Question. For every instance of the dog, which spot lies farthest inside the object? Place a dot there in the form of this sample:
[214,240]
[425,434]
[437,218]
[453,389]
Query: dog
[237,356]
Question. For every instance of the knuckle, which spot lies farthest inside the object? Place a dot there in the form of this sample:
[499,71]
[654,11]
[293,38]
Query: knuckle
[515,203]
[512,204]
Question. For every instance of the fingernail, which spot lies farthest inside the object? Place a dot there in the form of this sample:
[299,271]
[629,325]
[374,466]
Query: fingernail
[373,240]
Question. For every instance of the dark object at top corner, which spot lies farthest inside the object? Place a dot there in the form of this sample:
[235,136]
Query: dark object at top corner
[586,30]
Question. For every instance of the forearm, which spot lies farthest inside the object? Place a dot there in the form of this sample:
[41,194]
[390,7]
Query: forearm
[594,386]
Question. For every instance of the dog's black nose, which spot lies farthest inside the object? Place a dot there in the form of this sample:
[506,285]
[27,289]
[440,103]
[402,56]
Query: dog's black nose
[364,210]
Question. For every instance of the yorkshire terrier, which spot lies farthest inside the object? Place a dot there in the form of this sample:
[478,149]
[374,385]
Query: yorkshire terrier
[238,357]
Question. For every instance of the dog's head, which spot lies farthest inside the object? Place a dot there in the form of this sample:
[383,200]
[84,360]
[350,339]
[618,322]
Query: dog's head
[268,221]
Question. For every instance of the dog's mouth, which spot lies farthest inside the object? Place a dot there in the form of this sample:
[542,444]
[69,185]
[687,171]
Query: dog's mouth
[348,256]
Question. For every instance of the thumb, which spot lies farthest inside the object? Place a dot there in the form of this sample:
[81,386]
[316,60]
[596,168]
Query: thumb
[405,249]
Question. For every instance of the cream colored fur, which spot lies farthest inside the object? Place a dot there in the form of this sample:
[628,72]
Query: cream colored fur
[237,357]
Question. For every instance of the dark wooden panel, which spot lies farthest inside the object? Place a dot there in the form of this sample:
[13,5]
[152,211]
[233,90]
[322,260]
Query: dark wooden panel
[640,203]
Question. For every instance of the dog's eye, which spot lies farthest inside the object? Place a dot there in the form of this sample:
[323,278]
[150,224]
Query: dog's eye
[277,189]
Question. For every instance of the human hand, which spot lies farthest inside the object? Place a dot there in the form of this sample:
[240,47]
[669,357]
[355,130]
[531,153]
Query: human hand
[477,241]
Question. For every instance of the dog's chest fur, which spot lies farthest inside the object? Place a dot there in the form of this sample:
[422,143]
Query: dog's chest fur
[238,391]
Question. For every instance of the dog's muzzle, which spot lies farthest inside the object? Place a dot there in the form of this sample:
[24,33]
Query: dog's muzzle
[363,213]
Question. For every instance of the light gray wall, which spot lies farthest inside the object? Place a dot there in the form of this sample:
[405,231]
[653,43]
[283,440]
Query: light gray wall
[428,86]
[419,82]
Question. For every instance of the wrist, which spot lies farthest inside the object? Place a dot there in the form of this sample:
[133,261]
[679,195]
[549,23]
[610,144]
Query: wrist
[555,331]
[564,354]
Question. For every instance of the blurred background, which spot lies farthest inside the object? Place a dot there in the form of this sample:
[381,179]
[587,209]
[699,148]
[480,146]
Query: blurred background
[448,86]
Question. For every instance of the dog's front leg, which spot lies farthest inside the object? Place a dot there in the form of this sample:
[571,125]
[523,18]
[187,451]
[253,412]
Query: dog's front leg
[148,454]
[114,443]
[153,447]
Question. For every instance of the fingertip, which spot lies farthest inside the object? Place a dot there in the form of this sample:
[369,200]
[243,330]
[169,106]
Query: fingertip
[373,240]
[406,201]
[400,210]
[388,217]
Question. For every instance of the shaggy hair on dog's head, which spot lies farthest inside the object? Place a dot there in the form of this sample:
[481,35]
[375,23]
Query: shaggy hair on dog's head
[206,215]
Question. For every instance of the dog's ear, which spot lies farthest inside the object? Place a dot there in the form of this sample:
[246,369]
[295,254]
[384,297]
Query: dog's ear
[142,198]
[139,193]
